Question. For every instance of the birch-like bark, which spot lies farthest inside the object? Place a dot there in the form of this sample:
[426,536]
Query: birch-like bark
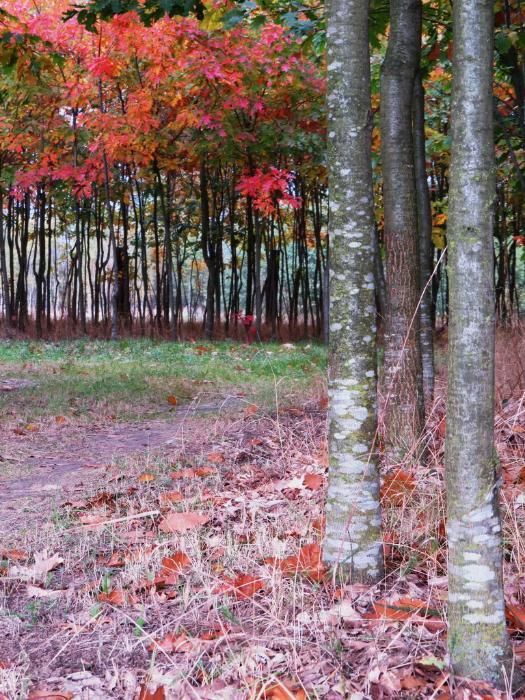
[403,383]
[477,639]
[352,542]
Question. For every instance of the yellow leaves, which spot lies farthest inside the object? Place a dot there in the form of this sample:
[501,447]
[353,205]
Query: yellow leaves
[439,239]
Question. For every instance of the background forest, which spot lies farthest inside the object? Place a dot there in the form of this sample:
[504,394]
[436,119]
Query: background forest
[175,174]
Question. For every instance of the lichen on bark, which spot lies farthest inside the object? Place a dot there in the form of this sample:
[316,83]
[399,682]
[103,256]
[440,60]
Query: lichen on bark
[478,643]
[352,543]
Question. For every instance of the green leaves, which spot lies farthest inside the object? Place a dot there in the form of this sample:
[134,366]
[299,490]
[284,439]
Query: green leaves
[149,12]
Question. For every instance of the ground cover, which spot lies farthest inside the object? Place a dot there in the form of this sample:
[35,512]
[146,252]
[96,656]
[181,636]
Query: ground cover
[172,550]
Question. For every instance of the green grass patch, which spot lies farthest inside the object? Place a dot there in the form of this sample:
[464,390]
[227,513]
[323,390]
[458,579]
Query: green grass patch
[133,378]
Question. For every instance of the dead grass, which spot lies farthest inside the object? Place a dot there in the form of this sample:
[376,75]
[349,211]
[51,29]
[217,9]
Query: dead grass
[229,619]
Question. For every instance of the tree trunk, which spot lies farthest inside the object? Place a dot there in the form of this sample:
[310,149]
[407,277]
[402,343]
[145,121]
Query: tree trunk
[403,383]
[353,519]
[424,225]
[477,640]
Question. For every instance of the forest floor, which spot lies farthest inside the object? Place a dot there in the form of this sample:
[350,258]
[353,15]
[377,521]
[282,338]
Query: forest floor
[161,515]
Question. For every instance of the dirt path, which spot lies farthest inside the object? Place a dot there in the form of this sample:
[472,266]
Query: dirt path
[38,468]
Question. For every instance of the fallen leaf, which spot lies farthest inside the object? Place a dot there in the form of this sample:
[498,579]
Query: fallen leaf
[516,616]
[282,690]
[171,400]
[181,522]
[215,457]
[116,597]
[170,497]
[307,562]
[116,560]
[187,473]
[313,481]
[93,522]
[251,410]
[60,420]
[205,471]
[145,477]
[50,695]
[172,566]
[176,643]
[37,592]
[244,586]
[40,569]
[397,487]
[14,555]
[342,611]
[411,683]
[157,694]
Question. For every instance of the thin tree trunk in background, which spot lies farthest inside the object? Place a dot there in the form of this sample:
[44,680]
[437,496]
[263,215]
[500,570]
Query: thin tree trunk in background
[403,383]
[353,519]
[3,265]
[41,266]
[477,639]
[379,278]
[112,238]
[208,253]
[424,225]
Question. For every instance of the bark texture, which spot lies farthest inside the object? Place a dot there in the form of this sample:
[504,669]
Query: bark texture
[403,384]
[353,519]
[424,225]
[477,639]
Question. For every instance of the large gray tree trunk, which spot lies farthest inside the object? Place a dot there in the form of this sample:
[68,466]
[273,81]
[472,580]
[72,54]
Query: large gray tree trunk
[403,384]
[477,639]
[353,519]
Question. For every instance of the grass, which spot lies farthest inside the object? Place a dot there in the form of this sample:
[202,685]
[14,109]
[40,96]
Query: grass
[132,379]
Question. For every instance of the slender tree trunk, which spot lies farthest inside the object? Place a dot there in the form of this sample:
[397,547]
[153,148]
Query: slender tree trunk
[353,518]
[424,225]
[3,265]
[208,253]
[477,639]
[112,238]
[40,268]
[403,385]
